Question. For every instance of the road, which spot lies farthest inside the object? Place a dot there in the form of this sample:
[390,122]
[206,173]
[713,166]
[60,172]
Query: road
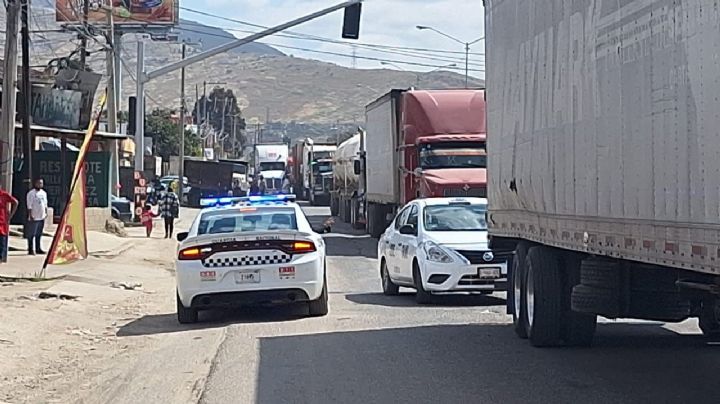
[127,347]
[377,349]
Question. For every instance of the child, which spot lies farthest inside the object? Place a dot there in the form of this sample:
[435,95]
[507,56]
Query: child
[147,219]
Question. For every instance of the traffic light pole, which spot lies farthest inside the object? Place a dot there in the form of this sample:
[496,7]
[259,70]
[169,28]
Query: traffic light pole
[143,77]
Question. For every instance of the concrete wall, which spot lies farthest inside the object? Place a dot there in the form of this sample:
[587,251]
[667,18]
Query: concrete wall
[96,218]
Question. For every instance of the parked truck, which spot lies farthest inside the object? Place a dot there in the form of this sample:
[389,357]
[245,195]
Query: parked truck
[271,164]
[317,171]
[423,144]
[604,162]
[347,199]
[210,178]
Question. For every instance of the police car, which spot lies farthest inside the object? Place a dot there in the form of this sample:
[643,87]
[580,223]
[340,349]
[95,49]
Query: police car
[440,245]
[250,250]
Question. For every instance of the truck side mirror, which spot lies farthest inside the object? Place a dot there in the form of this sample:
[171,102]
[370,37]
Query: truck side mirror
[418,172]
[357,167]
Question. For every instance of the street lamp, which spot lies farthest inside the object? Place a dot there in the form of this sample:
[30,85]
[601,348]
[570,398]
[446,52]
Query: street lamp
[417,76]
[467,46]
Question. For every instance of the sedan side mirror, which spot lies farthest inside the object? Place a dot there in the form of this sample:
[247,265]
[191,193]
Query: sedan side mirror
[182,236]
[408,230]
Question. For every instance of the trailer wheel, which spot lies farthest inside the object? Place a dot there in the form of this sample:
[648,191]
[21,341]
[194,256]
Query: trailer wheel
[586,299]
[710,318]
[578,328]
[517,290]
[374,227]
[659,306]
[602,274]
[543,297]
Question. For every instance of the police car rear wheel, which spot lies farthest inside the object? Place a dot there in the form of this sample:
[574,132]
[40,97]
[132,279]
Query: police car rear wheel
[185,315]
[319,307]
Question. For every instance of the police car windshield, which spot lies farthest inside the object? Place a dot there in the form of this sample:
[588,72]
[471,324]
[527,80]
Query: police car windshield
[455,218]
[247,219]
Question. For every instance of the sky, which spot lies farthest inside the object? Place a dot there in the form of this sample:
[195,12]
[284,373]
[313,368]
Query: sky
[384,22]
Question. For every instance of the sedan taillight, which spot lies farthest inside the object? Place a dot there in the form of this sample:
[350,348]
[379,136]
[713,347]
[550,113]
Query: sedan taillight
[300,247]
[194,253]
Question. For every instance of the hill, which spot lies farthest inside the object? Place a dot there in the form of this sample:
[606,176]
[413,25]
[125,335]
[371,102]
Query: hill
[266,81]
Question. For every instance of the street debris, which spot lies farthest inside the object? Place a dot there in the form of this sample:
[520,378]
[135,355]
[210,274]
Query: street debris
[126,285]
[59,296]
[116,227]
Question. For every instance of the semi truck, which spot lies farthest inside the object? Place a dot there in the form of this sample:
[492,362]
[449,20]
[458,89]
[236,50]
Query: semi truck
[271,164]
[317,171]
[423,144]
[347,199]
[604,162]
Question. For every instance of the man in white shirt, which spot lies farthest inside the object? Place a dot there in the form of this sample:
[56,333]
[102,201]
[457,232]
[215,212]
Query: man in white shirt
[37,205]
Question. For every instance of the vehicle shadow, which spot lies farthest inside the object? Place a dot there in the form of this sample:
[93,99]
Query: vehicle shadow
[482,363]
[216,318]
[408,300]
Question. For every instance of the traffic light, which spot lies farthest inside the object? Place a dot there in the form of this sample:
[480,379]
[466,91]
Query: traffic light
[351,23]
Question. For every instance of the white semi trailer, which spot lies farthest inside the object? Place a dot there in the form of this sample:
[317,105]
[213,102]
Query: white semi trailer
[604,161]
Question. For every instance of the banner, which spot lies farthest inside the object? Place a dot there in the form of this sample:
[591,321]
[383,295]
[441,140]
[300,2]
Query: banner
[125,12]
[70,241]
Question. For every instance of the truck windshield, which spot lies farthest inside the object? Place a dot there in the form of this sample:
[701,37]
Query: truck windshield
[455,218]
[272,166]
[453,155]
[325,167]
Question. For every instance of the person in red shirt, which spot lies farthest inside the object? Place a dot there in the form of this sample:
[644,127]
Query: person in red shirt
[6,200]
[147,219]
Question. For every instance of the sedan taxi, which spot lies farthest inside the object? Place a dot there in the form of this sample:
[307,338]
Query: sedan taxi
[440,245]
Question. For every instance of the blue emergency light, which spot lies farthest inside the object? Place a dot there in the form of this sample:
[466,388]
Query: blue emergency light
[246,200]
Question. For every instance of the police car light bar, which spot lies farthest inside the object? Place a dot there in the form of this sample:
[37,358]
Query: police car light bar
[257,199]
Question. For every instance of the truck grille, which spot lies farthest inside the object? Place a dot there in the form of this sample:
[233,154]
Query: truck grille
[479,192]
[273,183]
[476,257]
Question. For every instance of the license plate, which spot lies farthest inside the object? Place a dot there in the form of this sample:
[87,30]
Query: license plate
[247,277]
[489,273]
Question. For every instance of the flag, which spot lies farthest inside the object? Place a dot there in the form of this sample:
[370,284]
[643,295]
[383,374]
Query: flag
[70,241]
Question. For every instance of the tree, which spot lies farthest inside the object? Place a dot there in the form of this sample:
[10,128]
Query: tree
[220,111]
[166,135]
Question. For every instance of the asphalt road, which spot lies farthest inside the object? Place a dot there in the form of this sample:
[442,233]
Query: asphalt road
[377,349]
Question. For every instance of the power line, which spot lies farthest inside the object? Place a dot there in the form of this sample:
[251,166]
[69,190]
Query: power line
[342,54]
[301,35]
[412,54]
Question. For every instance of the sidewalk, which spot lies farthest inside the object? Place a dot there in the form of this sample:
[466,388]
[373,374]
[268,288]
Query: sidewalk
[100,245]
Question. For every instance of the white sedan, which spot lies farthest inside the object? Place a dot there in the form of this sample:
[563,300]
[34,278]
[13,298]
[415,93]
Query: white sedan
[440,245]
[247,251]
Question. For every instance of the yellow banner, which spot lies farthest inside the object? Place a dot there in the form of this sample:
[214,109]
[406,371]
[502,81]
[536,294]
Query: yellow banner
[70,241]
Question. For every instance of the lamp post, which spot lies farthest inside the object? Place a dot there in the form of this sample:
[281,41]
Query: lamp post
[417,76]
[467,46]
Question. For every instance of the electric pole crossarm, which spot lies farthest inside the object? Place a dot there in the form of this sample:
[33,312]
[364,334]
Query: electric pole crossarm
[234,44]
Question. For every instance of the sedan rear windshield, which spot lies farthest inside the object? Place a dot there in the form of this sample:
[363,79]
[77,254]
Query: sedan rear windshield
[248,220]
[455,218]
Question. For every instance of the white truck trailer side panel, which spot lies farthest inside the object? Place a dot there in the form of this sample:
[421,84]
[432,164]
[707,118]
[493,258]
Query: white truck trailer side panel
[604,127]
[381,143]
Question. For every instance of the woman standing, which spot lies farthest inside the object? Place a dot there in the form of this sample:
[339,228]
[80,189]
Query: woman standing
[169,210]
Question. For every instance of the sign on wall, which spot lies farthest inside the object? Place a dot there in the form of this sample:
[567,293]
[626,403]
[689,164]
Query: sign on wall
[127,12]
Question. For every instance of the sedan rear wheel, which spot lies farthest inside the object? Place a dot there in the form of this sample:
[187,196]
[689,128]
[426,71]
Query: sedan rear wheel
[185,315]
[389,288]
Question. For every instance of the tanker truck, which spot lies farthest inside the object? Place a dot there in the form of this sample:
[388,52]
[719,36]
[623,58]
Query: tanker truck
[347,200]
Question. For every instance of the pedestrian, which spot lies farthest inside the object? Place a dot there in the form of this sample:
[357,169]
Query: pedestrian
[254,188]
[286,185]
[37,206]
[261,185]
[146,218]
[5,216]
[169,210]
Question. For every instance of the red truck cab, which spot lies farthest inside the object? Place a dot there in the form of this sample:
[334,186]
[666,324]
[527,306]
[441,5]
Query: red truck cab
[443,146]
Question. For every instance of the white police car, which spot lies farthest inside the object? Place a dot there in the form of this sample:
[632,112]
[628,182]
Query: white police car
[250,250]
[440,245]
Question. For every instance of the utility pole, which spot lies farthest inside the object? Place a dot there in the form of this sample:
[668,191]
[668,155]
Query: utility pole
[83,38]
[7,119]
[28,143]
[181,170]
[140,109]
[112,97]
